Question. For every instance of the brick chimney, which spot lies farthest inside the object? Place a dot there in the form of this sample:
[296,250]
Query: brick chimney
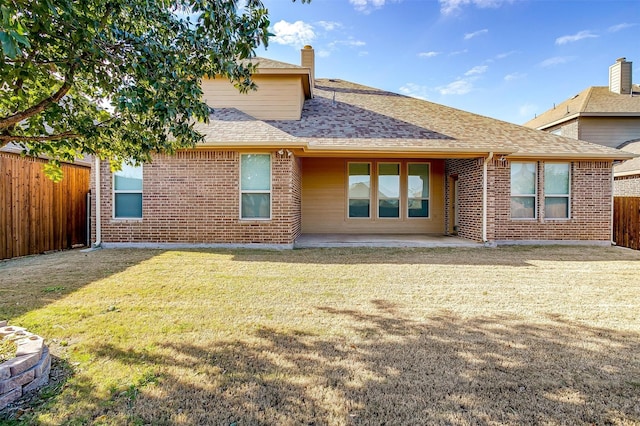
[620,77]
[308,60]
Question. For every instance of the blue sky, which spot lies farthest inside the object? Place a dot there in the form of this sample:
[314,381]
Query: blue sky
[507,59]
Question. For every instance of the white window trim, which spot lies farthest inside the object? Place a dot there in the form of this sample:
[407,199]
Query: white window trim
[534,195]
[377,191]
[371,182]
[256,191]
[567,196]
[125,191]
[428,199]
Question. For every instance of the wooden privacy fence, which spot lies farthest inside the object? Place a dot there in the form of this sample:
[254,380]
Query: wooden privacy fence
[36,214]
[626,222]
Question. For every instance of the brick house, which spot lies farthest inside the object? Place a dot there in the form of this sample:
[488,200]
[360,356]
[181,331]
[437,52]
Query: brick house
[606,115]
[304,156]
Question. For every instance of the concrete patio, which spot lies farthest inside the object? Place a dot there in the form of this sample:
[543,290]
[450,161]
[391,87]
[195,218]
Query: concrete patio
[382,240]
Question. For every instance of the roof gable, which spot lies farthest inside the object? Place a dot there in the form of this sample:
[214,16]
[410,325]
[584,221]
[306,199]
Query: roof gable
[594,101]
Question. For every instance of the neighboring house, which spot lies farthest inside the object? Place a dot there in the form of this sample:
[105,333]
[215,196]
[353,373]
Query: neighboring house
[306,156]
[627,175]
[607,116]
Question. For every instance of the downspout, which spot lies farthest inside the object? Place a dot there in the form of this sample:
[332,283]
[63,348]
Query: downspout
[98,209]
[613,201]
[484,196]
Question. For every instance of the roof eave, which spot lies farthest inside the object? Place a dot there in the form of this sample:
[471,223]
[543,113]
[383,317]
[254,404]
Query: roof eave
[575,156]
[588,114]
[626,173]
[611,114]
[559,121]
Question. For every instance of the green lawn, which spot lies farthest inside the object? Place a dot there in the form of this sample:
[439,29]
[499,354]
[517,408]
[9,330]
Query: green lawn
[519,335]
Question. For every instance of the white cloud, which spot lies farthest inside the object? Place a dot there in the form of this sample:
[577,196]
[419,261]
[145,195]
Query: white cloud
[355,43]
[295,34]
[458,52]
[505,54]
[428,54]
[556,60]
[620,27]
[366,6]
[349,43]
[469,36]
[458,87]
[329,25]
[414,90]
[514,76]
[575,37]
[527,110]
[452,7]
[478,69]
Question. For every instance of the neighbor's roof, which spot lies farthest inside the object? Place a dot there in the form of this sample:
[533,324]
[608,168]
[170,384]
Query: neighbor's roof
[629,167]
[13,148]
[595,101]
[344,117]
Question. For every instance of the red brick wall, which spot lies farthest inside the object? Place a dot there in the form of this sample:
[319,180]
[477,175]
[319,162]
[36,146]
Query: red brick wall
[590,203]
[193,197]
[590,206]
[469,172]
[626,186]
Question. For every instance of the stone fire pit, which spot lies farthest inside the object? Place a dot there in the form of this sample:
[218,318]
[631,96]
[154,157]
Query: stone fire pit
[28,370]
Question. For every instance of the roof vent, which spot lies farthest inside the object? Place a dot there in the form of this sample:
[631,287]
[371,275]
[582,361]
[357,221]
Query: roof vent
[620,77]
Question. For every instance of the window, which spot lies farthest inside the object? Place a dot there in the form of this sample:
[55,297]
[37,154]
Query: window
[523,190]
[255,186]
[359,191]
[127,192]
[388,190]
[556,190]
[418,190]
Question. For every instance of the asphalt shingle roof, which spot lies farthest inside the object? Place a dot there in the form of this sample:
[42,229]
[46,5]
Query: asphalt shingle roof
[345,116]
[630,166]
[593,101]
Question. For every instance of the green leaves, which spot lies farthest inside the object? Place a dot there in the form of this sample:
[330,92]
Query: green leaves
[119,79]
[13,34]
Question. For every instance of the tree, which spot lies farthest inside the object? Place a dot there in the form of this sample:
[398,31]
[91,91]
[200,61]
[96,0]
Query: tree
[119,79]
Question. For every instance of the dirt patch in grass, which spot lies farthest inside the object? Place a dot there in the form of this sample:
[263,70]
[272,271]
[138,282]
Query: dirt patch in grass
[522,335]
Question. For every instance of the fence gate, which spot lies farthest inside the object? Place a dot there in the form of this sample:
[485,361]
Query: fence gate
[626,222]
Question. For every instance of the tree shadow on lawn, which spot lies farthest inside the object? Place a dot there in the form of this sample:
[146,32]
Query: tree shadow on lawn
[31,282]
[391,370]
[522,256]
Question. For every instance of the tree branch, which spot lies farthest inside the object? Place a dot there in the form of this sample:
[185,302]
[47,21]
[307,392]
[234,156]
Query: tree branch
[13,138]
[11,120]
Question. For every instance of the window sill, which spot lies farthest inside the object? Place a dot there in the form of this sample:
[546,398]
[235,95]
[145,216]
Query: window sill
[254,221]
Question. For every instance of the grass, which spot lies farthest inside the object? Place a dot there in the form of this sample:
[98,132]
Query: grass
[520,335]
[7,350]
